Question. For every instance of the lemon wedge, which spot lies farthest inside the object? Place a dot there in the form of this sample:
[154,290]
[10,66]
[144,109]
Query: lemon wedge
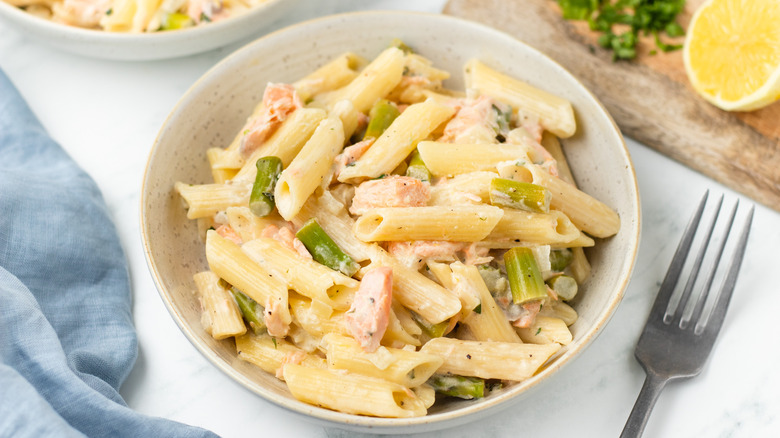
[732,53]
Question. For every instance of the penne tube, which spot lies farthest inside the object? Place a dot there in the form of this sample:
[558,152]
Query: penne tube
[220,317]
[555,114]
[469,298]
[546,330]
[352,393]
[286,142]
[335,74]
[338,225]
[270,353]
[534,228]
[408,368]
[466,188]
[316,320]
[580,267]
[226,259]
[375,81]
[220,174]
[490,323]
[560,310]
[457,223]
[306,171]
[205,200]
[586,212]
[490,360]
[302,275]
[398,140]
[447,159]
[417,292]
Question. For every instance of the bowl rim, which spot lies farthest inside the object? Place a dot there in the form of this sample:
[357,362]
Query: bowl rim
[438,420]
[120,42]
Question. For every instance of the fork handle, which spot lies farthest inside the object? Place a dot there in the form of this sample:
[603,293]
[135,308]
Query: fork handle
[644,404]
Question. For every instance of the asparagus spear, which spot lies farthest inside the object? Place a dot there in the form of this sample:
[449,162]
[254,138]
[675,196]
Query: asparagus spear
[564,286]
[381,116]
[458,386]
[432,330]
[324,250]
[417,167]
[519,195]
[560,259]
[251,310]
[261,201]
[525,279]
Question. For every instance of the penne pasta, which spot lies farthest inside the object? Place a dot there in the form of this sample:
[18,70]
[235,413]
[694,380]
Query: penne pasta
[226,259]
[447,159]
[220,317]
[307,170]
[352,393]
[490,360]
[204,200]
[555,114]
[398,140]
[408,368]
[457,223]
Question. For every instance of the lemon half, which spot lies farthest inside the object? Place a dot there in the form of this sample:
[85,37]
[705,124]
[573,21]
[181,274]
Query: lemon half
[732,53]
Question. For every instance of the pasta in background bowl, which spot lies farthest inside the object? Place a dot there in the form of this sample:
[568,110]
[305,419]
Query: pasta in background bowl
[217,107]
[132,34]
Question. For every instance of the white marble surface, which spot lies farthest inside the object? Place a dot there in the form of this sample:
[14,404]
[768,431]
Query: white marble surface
[106,115]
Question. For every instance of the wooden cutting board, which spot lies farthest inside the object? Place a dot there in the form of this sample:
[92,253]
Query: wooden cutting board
[650,98]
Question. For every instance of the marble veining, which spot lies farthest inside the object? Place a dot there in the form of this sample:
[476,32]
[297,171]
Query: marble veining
[106,115]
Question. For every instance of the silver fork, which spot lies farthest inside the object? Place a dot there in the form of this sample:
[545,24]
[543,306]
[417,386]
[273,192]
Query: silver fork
[673,345]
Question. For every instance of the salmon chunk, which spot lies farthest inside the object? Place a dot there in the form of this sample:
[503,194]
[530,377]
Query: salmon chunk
[393,191]
[279,101]
[367,319]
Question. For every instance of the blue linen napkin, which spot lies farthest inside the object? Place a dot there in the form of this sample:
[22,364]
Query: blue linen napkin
[67,340]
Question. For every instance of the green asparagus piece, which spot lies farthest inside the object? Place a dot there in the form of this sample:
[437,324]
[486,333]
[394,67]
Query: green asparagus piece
[417,168]
[251,310]
[261,201]
[176,20]
[381,116]
[401,45]
[560,259]
[458,386]
[324,250]
[519,195]
[503,118]
[432,330]
[564,286]
[525,279]
[495,282]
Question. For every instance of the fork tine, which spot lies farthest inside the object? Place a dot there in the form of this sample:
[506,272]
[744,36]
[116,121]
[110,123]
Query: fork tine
[678,314]
[715,321]
[675,268]
[699,308]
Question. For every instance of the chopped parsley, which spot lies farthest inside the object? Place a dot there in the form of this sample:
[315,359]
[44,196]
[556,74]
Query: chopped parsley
[650,17]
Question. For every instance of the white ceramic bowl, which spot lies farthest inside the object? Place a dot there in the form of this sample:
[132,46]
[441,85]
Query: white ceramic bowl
[145,46]
[215,108]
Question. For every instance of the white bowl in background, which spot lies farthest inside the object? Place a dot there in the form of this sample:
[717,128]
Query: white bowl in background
[145,46]
[217,105]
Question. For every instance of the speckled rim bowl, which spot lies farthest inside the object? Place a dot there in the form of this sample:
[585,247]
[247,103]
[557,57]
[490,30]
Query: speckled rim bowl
[145,46]
[215,108]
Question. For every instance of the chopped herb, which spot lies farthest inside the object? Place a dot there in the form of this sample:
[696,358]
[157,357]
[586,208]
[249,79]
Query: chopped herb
[539,330]
[478,309]
[274,341]
[204,17]
[382,176]
[645,16]
[110,11]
